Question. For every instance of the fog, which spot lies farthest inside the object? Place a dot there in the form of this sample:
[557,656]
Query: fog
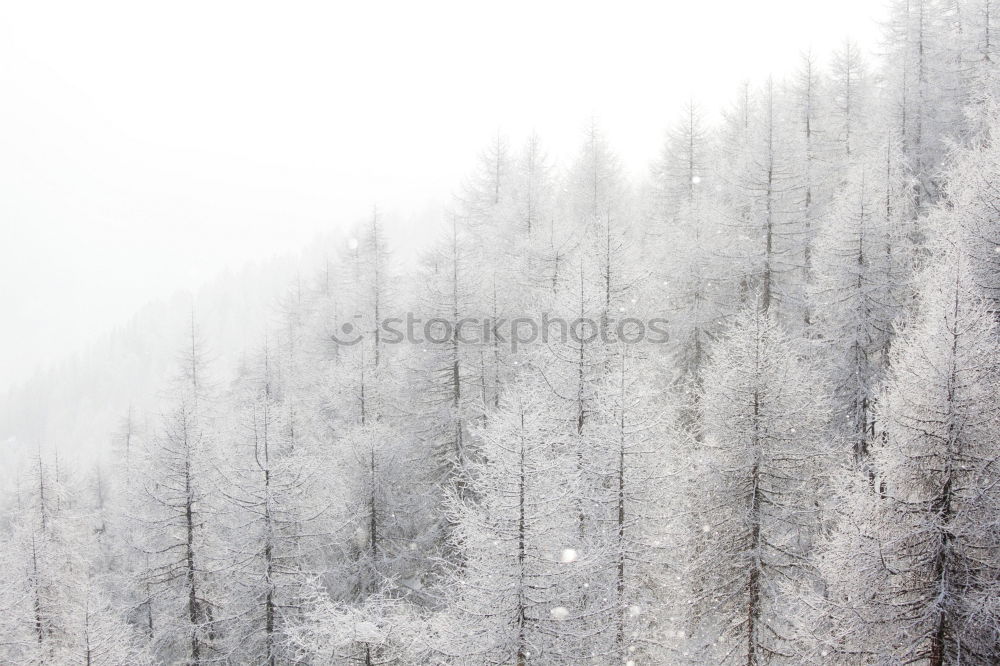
[146,147]
[609,378]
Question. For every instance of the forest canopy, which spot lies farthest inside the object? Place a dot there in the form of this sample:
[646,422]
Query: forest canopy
[801,470]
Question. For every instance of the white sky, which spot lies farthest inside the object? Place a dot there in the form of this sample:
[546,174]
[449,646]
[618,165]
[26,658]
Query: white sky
[146,146]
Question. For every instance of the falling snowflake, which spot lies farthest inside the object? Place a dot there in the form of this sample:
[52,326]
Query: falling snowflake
[568,555]
[559,613]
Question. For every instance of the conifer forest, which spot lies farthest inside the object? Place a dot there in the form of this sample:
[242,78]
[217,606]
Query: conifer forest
[743,409]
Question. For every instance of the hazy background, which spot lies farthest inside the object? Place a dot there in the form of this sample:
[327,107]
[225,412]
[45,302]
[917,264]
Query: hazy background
[145,147]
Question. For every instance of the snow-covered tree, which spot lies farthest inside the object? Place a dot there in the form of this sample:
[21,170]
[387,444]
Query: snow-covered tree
[761,466]
[54,600]
[519,574]
[275,511]
[914,571]
[863,263]
[764,207]
[850,90]
[684,243]
[972,193]
[638,508]
[179,531]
